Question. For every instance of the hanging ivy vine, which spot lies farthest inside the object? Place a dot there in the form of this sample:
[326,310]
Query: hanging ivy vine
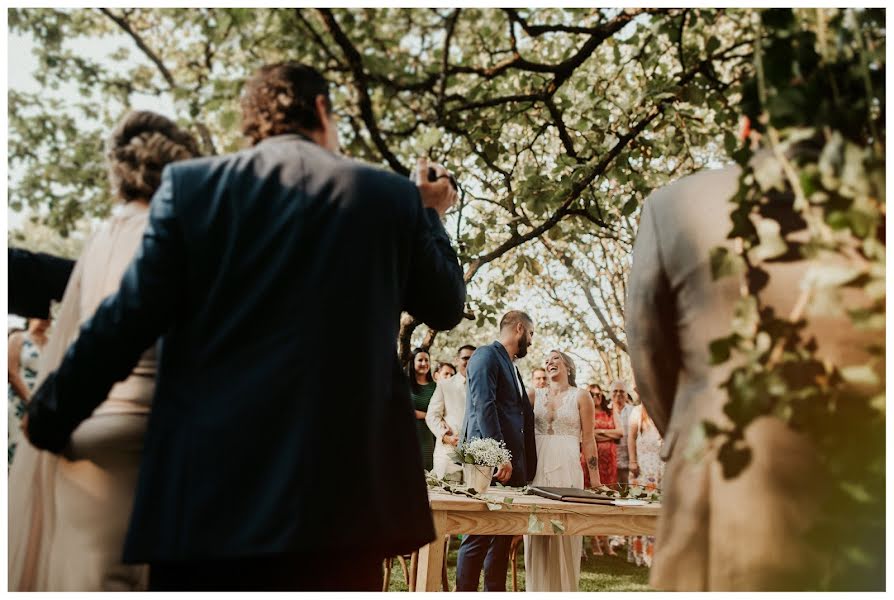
[814,187]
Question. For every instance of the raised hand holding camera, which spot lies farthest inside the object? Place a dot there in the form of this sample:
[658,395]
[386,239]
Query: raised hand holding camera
[436,186]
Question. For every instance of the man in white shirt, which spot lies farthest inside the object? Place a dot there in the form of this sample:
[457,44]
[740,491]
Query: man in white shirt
[445,413]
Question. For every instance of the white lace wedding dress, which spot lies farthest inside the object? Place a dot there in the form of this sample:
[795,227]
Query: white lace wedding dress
[552,562]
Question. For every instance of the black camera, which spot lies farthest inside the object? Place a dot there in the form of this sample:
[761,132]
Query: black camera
[433,176]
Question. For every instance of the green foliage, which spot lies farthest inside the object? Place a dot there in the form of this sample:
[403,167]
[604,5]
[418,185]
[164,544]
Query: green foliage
[542,124]
[818,99]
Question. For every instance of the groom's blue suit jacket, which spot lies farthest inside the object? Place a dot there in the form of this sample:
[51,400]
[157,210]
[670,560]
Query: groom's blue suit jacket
[496,409]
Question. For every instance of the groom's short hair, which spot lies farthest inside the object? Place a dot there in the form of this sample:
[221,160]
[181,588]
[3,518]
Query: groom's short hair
[281,98]
[513,318]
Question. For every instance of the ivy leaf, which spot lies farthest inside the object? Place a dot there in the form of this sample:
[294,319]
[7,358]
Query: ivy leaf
[768,172]
[745,317]
[856,491]
[558,526]
[730,143]
[859,375]
[725,263]
[771,243]
[829,275]
[720,349]
[629,207]
[535,526]
[733,459]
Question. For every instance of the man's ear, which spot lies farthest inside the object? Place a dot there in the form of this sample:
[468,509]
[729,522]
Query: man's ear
[321,108]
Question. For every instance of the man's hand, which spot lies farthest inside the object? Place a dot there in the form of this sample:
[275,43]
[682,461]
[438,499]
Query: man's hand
[504,472]
[450,439]
[438,194]
[23,425]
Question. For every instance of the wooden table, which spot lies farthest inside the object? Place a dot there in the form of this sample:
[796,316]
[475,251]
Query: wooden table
[455,514]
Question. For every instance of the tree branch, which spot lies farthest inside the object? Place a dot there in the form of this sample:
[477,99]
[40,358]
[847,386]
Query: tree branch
[560,125]
[355,61]
[124,24]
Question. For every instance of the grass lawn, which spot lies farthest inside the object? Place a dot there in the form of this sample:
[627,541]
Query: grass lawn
[598,573]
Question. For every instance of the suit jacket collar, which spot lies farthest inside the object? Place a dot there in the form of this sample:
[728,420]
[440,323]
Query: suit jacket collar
[507,361]
[285,137]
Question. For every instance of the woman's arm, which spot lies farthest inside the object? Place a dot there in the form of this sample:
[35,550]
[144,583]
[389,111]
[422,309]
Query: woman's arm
[420,414]
[13,375]
[617,432]
[588,440]
[632,434]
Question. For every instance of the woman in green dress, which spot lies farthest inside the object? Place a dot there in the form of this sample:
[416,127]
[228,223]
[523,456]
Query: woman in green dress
[422,387]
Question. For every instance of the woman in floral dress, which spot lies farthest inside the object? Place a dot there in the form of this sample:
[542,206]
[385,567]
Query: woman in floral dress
[607,436]
[24,354]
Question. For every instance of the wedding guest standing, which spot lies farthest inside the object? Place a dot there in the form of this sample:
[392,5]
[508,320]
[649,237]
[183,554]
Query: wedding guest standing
[446,412]
[607,436]
[24,348]
[540,379]
[444,371]
[68,515]
[622,404]
[422,386]
[249,268]
[646,471]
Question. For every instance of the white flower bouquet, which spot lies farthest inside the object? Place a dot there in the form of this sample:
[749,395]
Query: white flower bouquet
[486,452]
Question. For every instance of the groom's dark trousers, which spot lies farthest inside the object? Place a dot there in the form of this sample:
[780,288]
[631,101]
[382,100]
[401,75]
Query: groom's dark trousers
[490,551]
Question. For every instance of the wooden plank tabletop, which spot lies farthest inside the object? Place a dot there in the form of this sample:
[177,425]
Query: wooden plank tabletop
[440,500]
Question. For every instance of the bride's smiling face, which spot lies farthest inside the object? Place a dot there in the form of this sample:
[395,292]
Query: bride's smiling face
[555,368]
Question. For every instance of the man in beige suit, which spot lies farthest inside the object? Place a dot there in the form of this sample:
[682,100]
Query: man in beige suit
[445,413]
[747,533]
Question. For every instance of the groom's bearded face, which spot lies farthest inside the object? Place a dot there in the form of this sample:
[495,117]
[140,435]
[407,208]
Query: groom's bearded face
[527,334]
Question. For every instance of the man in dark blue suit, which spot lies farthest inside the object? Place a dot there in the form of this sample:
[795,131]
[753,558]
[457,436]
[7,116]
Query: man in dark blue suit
[257,268]
[497,407]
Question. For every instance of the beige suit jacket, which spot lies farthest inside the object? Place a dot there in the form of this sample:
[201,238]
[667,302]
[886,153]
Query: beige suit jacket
[717,534]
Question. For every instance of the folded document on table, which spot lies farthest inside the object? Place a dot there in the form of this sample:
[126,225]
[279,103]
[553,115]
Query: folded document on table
[566,494]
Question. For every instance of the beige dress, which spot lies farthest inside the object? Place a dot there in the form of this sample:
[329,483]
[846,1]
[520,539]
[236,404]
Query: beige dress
[68,515]
[552,562]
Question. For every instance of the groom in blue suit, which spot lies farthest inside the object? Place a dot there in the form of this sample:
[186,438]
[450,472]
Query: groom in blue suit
[497,407]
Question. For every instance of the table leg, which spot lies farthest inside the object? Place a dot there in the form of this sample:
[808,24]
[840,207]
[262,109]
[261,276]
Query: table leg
[431,560]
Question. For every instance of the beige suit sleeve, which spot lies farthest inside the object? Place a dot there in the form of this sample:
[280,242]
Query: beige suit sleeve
[650,322]
[434,416]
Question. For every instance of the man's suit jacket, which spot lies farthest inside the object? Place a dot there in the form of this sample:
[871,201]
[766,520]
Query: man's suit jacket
[36,278]
[282,420]
[717,534]
[496,409]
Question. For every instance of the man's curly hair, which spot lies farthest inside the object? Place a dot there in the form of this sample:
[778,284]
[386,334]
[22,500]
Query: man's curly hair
[139,148]
[280,98]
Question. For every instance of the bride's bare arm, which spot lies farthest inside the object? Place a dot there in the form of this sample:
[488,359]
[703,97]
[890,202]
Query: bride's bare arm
[588,439]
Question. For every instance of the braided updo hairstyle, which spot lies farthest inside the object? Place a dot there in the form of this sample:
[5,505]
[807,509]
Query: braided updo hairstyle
[139,148]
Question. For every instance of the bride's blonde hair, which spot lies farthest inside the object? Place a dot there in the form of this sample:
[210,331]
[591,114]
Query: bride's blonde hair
[569,364]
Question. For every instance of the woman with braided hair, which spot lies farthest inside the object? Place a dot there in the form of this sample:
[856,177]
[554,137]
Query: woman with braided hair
[69,514]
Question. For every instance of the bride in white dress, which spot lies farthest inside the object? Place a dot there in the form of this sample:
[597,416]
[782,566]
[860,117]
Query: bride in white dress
[563,428]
